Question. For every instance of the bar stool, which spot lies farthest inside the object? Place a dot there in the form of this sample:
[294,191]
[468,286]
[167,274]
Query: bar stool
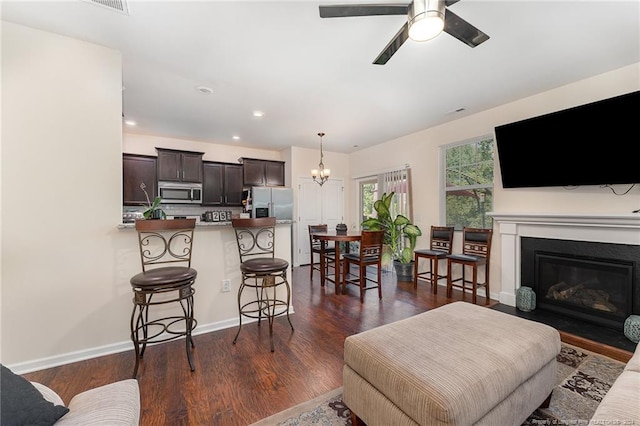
[166,278]
[476,252]
[441,243]
[315,247]
[262,272]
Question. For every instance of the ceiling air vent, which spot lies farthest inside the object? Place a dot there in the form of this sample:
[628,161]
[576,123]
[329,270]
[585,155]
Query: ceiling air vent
[119,6]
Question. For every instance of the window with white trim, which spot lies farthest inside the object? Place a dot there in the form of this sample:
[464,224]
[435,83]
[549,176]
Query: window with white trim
[468,183]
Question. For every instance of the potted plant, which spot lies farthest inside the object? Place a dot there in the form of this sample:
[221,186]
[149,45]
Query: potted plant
[154,211]
[400,235]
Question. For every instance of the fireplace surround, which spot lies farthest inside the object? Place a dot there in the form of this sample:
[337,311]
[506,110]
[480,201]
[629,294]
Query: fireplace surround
[513,228]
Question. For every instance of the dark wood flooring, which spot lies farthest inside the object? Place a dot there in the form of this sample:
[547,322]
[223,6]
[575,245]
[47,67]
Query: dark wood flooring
[243,383]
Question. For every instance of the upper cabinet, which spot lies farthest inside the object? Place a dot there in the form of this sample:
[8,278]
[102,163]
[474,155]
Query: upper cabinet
[137,169]
[179,166]
[262,172]
[222,184]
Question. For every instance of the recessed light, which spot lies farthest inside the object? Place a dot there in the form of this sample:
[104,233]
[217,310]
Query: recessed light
[130,123]
[258,113]
[236,138]
[204,90]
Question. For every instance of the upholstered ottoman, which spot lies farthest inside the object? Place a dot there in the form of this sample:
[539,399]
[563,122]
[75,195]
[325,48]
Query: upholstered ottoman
[459,364]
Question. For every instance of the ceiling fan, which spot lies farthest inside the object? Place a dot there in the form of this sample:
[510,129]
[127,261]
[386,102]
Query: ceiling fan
[425,20]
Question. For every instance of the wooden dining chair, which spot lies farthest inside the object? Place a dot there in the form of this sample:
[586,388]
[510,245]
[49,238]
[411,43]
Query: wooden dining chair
[370,253]
[441,244]
[315,247]
[476,252]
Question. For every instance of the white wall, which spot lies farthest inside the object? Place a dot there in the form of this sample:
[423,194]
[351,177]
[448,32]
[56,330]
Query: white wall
[61,147]
[422,151]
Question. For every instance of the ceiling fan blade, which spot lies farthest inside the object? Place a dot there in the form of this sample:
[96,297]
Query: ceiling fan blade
[393,45]
[462,30]
[346,10]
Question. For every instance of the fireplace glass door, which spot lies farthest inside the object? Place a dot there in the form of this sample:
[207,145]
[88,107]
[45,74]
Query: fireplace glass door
[595,290]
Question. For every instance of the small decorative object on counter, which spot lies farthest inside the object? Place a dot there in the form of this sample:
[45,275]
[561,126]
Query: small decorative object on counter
[526,299]
[632,328]
[341,228]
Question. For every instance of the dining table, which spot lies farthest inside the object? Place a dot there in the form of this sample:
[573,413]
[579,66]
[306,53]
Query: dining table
[336,238]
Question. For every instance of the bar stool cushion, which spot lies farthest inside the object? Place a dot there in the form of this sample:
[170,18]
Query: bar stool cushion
[436,253]
[163,277]
[467,258]
[261,265]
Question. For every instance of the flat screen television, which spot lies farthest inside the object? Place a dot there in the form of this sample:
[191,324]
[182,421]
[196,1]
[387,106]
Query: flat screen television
[593,144]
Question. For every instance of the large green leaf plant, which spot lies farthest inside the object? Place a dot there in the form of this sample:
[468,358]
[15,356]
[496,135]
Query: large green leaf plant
[396,229]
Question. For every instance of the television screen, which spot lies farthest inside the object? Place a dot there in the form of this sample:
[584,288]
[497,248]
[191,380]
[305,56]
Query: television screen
[593,144]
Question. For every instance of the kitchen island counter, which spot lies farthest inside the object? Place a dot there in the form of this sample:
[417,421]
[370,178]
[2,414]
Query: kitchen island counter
[204,224]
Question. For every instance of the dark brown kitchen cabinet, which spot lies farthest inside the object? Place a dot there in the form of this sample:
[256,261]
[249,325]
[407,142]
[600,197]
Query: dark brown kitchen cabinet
[137,169]
[179,166]
[222,184]
[262,172]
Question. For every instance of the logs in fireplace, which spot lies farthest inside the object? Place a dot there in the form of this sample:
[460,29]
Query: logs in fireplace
[586,281]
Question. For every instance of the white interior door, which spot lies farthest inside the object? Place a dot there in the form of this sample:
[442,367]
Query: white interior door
[316,204]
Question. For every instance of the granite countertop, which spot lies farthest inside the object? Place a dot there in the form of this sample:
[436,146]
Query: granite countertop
[206,224]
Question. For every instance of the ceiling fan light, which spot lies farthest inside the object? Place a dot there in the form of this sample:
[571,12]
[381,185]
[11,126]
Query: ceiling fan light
[426,19]
[426,26]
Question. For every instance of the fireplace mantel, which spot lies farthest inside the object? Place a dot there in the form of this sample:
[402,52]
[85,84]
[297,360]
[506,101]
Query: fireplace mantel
[607,228]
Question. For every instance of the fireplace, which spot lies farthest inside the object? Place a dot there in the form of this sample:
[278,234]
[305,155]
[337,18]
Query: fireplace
[589,281]
[609,231]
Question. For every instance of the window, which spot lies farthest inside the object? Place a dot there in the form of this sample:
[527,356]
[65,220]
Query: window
[468,183]
[368,195]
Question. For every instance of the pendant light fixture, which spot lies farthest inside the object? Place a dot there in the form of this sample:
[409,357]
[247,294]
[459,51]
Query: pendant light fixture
[320,175]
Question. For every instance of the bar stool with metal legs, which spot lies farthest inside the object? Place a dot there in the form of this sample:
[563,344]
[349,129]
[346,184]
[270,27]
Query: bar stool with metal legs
[166,278]
[262,272]
[441,243]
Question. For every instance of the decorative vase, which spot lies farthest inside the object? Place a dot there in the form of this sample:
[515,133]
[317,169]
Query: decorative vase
[156,214]
[632,328]
[526,299]
[404,271]
[341,228]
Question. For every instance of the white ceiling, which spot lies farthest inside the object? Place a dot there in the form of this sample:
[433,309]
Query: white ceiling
[309,74]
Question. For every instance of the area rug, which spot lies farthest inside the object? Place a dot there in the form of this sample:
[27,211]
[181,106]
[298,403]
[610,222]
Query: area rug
[583,379]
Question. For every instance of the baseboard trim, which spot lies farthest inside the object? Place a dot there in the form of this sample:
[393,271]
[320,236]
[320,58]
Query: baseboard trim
[117,347]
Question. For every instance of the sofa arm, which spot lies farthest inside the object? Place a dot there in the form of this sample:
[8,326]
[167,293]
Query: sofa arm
[620,405]
[115,404]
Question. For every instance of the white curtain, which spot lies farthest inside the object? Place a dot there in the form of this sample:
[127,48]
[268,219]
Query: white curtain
[398,181]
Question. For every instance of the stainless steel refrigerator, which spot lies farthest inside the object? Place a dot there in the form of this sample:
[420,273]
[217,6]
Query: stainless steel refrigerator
[272,201]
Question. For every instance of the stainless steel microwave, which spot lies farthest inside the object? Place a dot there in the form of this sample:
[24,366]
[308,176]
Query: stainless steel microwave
[180,193]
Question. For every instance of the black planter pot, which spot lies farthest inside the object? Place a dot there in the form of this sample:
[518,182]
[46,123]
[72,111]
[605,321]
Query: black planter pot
[404,271]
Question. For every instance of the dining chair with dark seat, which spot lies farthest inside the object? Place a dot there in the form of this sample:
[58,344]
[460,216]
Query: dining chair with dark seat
[369,254]
[441,244]
[264,276]
[476,252]
[315,246]
[166,278]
